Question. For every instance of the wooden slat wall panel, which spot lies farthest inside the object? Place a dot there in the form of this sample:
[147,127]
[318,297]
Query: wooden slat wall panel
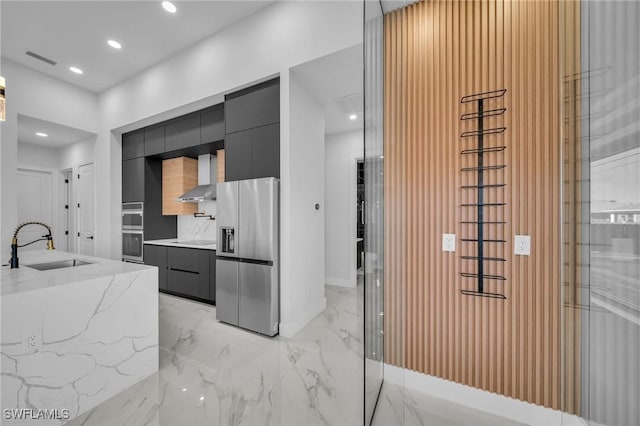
[220,164]
[436,52]
[570,56]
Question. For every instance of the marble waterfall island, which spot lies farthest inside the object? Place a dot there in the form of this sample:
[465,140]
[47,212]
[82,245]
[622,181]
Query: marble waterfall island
[75,336]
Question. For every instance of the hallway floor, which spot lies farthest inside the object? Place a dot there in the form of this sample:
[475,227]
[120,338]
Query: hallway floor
[215,374]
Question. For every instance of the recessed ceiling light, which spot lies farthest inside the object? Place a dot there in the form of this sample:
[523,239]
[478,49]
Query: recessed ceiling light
[114,44]
[353,117]
[42,135]
[76,70]
[169,7]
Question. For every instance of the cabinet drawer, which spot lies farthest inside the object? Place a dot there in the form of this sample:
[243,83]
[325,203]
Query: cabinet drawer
[186,283]
[183,259]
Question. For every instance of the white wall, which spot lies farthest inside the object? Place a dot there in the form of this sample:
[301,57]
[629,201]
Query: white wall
[76,154]
[36,95]
[302,186]
[341,153]
[43,157]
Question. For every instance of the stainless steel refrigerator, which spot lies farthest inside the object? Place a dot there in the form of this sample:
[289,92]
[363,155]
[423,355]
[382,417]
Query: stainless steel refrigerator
[247,268]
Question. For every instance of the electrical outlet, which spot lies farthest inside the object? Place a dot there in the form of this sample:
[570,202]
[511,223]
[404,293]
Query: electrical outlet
[448,242]
[33,342]
[522,245]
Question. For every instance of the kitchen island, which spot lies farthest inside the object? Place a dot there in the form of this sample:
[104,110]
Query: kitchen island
[74,336]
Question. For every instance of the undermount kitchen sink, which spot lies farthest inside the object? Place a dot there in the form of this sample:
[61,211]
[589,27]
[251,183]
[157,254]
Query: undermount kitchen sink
[195,242]
[72,263]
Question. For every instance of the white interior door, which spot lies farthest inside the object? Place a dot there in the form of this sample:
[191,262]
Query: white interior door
[34,204]
[86,210]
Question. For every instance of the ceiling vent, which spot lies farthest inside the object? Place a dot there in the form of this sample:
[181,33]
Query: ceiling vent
[40,58]
[351,104]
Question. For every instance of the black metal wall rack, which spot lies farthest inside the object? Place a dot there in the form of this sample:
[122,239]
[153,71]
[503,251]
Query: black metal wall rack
[480,99]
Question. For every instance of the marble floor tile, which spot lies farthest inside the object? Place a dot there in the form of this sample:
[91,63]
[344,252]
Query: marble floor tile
[215,374]
[399,406]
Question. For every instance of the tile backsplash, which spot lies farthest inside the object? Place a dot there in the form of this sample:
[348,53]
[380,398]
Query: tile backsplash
[198,228]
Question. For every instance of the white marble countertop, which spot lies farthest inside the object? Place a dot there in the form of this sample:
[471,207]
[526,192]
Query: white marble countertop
[28,279]
[176,242]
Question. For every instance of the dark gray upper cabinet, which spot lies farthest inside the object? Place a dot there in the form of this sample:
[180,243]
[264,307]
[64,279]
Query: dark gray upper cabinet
[253,153]
[182,132]
[157,256]
[154,140]
[253,107]
[237,156]
[212,124]
[133,145]
[133,180]
[265,151]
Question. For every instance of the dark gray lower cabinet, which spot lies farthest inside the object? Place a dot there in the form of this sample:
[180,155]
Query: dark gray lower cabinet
[190,272]
[203,269]
[157,256]
[183,259]
[184,282]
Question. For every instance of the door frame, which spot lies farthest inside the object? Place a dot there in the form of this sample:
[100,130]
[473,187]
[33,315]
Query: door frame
[76,215]
[55,199]
[66,221]
[353,215]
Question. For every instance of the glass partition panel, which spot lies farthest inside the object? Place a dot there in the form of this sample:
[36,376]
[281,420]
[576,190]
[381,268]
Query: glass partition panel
[607,203]
[373,217]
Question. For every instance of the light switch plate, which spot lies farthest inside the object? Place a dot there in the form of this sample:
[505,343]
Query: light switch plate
[522,245]
[448,242]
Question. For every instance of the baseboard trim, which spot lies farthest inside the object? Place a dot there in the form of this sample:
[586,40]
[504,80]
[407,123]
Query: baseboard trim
[290,328]
[492,403]
[340,282]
